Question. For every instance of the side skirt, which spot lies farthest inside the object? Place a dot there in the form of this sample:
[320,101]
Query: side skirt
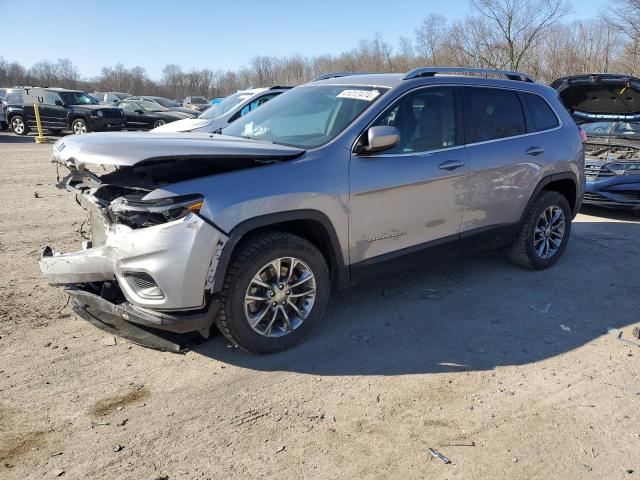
[488,238]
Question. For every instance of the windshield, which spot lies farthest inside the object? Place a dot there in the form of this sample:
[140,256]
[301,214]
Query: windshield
[307,116]
[198,100]
[225,105]
[122,96]
[78,98]
[149,106]
[165,102]
[612,129]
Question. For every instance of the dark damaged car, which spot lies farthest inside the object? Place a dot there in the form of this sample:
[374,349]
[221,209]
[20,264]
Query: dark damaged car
[607,107]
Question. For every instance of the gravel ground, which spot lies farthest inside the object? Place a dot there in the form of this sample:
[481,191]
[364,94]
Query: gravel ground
[509,373]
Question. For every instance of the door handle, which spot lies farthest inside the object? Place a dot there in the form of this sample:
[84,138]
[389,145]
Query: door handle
[451,165]
[534,151]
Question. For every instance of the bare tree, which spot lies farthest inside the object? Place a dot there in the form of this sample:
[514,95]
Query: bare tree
[520,23]
[431,36]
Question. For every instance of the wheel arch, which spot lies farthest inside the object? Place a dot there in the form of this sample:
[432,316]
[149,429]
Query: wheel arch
[564,183]
[76,116]
[312,225]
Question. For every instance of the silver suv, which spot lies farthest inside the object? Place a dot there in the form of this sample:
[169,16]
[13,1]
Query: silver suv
[322,186]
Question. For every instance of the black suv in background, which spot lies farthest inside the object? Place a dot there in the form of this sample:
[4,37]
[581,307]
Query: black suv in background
[63,110]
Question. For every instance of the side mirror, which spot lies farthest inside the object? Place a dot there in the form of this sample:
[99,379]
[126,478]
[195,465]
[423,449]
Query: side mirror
[59,103]
[380,138]
[140,111]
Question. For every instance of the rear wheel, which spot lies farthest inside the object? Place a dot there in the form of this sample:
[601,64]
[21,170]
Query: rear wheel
[275,291]
[159,123]
[79,126]
[544,233]
[19,126]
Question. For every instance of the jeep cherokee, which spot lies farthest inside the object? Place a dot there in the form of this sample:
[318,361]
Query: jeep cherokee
[323,185]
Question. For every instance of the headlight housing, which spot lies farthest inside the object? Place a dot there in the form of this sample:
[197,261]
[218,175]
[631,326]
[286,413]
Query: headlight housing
[624,168]
[130,210]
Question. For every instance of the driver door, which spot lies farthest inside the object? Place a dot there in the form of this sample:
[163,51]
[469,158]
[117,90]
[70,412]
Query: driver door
[135,119]
[414,194]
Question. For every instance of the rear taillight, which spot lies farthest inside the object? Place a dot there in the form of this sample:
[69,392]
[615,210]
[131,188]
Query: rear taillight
[583,134]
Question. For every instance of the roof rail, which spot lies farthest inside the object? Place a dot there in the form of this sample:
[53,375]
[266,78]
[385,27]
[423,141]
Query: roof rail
[334,75]
[277,87]
[432,71]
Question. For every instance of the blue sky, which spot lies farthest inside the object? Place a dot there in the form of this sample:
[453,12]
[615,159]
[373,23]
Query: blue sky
[212,34]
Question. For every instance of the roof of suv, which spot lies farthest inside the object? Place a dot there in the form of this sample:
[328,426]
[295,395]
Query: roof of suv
[390,80]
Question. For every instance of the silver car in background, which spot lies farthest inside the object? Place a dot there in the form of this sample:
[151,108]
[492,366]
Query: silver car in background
[218,116]
[323,186]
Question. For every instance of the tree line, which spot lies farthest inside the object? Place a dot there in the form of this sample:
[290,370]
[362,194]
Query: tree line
[526,35]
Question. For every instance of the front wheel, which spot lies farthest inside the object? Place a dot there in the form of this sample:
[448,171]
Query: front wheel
[544,233]
[275,291]
[159,123]
[79,126]
[19,126]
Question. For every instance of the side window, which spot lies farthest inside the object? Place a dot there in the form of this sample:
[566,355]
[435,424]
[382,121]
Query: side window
[128,107]
[51,97]
[425,118]
[539,111]
[256,103]
[14,97]
[492,113]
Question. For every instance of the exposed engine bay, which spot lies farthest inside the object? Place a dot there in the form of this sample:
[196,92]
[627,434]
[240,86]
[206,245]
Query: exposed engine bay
[599,151]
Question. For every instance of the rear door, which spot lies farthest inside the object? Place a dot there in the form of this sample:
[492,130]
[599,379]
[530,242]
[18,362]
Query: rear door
[55,115]
[414,194]
[504,159]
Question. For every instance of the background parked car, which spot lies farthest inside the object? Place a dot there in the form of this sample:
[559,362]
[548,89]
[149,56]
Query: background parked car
[144,115]
[166,103]
[63,109]
[110,98]
[3,114]
[607,107]
[228,110]
[196,103]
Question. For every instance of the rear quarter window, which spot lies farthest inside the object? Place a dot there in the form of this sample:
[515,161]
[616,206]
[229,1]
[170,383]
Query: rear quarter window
[492,113]
[541,114]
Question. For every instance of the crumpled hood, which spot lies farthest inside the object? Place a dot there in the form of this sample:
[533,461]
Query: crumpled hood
[600,96]
[185,125]
[126,149]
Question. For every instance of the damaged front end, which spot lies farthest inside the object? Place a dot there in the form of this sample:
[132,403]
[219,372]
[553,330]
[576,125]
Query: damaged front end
[147,269]
[612,169]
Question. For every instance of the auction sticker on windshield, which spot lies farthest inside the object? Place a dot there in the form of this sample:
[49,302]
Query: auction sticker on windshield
[366,95]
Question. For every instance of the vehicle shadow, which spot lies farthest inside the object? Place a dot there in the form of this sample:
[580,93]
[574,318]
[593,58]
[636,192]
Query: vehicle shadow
[474,313]
[611,213]
[9,137]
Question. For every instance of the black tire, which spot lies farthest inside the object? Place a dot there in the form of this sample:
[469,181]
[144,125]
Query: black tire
[77,126]
[159,123]
[16,122]
[250,255]
[522,251]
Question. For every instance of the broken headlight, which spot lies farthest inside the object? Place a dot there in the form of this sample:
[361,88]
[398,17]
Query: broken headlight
[134,212]
[624,168]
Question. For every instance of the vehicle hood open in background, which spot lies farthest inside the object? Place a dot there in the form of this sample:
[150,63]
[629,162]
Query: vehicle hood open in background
[600,96]
[128,149]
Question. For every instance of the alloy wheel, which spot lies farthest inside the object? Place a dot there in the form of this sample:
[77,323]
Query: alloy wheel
[549,232]
[17,125]
[79,127]
[280,297]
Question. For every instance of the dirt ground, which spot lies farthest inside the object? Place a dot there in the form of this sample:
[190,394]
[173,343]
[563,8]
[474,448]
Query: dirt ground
[509,373]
